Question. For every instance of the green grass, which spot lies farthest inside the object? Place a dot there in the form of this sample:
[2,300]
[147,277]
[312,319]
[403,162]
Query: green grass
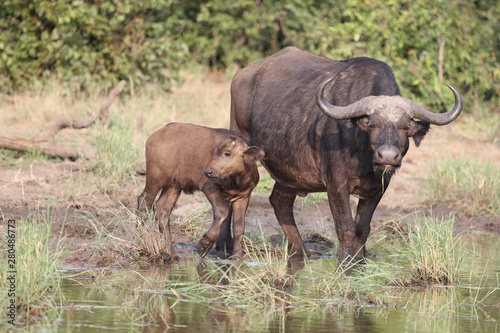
[430,253]
[468,185]
[266,182]
[11,159]
[116,153]
[38,277]
[262,279]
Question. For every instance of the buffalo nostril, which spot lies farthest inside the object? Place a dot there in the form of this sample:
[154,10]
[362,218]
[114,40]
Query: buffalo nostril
[388,155]
[208,172]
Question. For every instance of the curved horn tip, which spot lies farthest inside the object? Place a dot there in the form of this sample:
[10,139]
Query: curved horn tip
[451,87]
[323,84]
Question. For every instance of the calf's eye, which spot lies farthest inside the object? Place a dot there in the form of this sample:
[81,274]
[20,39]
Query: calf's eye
[227,154]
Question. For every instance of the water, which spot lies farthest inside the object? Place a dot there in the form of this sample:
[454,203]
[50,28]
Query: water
[118,300]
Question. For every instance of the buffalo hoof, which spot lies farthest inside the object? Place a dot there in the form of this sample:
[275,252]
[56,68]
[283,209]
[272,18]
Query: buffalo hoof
[202,251]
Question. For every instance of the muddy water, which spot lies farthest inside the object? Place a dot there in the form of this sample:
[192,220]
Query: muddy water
[118,301]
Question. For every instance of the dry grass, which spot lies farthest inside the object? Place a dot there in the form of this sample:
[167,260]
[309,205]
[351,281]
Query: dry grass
[203,99]
[467,184]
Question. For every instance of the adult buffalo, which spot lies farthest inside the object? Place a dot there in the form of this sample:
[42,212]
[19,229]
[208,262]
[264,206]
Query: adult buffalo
[335,126]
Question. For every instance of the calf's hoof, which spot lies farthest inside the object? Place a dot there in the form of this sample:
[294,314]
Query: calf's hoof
[174,257]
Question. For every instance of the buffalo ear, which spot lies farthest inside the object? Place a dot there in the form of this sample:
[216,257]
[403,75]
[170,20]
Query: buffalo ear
[421,129]
[253,154]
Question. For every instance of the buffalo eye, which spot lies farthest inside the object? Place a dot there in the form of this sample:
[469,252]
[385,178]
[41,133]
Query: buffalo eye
[371,126]
[227,154]
[410,127]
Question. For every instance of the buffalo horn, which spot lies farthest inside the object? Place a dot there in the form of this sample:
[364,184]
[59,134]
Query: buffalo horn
[356,109]
[440,118]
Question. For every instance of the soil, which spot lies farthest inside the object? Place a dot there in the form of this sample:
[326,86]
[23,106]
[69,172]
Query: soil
[76,196]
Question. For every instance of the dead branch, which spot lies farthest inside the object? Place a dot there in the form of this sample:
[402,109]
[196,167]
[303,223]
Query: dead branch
[104,109]
[62,121]
[42,142]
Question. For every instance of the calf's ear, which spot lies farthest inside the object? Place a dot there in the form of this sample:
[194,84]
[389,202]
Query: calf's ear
[421,129]
[253,154]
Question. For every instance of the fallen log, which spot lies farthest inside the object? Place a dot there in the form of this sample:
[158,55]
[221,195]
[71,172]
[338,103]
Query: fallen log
[42,142]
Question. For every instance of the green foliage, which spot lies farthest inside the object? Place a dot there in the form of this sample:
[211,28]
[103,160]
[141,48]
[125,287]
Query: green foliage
[84,43]
[408,36]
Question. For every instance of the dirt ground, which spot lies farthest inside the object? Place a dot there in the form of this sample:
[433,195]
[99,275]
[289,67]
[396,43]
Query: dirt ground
[76,195]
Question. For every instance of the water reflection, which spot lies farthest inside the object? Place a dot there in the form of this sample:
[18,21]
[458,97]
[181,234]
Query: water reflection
[163,298]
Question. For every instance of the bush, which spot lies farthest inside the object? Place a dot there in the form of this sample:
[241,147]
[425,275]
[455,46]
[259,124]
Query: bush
[428,43]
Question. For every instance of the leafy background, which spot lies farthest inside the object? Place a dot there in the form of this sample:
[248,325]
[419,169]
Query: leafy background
[88,44]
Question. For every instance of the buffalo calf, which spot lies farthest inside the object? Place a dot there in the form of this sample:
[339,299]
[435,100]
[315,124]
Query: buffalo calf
[218,162]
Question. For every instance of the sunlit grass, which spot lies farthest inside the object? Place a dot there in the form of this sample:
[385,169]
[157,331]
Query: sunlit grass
[125,235]
[469,185]
[116,153]
[193,225]
[430,253]
[262,279]
[38,277]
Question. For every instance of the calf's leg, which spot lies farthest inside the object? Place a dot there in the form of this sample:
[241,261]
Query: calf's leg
[221,212]
[146,199]
[164,206]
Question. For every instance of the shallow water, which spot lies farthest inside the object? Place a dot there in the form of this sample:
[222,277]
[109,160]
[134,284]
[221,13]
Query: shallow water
[117,300]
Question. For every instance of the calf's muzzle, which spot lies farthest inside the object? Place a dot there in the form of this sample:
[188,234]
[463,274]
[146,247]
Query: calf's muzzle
[210,173]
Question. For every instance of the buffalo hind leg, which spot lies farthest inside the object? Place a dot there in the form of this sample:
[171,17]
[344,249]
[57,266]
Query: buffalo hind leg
[282,199]
[164,206]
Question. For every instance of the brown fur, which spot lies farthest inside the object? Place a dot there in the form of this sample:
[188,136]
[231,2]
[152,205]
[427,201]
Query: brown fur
[218,162]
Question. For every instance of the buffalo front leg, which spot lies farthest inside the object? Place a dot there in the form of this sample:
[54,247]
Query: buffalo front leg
[338,198]
[364,215]
[221,212]
[164,206]
[282,199]
[239,210]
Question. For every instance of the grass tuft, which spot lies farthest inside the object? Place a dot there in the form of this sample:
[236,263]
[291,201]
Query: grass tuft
[116,155]
[430,253]
[263,279]
[38,278]
[469,185]
[135,241]
[193,225]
